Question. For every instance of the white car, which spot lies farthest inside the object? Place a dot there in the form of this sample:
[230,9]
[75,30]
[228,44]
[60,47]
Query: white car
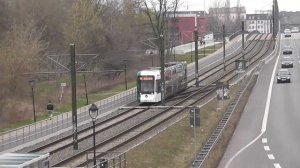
[295,30]
[287,33]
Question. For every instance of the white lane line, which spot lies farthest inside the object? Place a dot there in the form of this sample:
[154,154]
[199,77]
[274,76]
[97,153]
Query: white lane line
[277,165]
[264,140]
[266,115]
[271,157]
[267,148]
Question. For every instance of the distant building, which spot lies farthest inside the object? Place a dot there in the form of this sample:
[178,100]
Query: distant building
[259,22]
[225,14]
[185,23]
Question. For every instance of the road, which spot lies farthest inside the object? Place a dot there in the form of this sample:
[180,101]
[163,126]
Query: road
[267,135]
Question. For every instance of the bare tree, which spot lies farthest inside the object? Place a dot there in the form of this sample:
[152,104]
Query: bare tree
[158,12]
[19,53]
[84,27]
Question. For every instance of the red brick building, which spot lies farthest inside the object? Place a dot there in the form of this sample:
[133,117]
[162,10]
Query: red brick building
[187,21]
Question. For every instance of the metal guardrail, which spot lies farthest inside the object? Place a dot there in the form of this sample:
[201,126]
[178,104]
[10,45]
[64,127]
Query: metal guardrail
[29,133]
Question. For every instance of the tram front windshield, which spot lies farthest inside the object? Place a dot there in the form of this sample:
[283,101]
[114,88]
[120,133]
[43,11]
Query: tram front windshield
[147,84]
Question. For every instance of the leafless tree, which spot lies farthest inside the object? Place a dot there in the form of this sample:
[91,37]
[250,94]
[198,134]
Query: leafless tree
[159,12]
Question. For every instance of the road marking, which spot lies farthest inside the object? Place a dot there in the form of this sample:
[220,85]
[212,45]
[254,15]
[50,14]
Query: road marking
[271,157]
[266,114]
[264,140]
[267,148]
[277,165]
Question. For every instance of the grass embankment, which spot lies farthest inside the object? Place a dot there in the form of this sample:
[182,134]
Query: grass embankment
[175,147]
[81,101]
[190,56]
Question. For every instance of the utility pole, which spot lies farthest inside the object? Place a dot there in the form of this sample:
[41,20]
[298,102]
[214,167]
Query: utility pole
[243,40]
[273,17]
[86,94]
[74,103]
[125,73]
[162,68]
[224,59]
[196,57]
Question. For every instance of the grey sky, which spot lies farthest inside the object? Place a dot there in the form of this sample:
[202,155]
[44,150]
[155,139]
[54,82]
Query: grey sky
[251,5]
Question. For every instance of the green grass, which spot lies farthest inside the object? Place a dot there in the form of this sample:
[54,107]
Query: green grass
[175,146]
[94,97]
[190,56]
[22,123]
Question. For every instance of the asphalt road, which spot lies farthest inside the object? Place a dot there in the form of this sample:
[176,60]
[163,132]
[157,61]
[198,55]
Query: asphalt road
[267,135]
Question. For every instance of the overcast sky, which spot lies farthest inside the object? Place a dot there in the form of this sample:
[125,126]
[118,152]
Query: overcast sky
[251,5]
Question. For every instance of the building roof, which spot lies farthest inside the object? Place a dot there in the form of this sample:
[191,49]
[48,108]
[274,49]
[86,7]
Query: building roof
[199,13]
[20,160]
[241,9]
[258,17]
[187,14]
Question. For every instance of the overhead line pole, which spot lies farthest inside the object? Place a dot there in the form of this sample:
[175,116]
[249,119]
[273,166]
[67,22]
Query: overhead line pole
[243,40]
[224,59]
[162,68]
[74,102]
[196,57]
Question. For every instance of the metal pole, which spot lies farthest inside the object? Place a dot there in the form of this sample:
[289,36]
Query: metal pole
[33,106]
[204,48]
[125,74]
[273,7]
[214,45]
[162,69]
[94,142]
[74,103]
[151,57]
[86,94]
[195,135]
[196,56]
[224,59]
[191,52]
[243,40]
[174,54]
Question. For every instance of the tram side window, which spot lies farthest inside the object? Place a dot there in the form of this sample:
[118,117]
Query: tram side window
[158,86]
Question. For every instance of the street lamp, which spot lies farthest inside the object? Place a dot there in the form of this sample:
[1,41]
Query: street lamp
[32,83]
[151,54]
[93,112]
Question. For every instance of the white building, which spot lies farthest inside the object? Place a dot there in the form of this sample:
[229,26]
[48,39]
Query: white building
[224,14]
[259,22]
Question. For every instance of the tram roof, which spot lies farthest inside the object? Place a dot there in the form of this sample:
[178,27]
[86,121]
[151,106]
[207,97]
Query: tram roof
[19,160]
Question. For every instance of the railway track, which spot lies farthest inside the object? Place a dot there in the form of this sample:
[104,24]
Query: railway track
[106,145]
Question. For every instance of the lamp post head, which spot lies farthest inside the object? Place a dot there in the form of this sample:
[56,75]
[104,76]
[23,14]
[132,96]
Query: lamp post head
[93,111]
